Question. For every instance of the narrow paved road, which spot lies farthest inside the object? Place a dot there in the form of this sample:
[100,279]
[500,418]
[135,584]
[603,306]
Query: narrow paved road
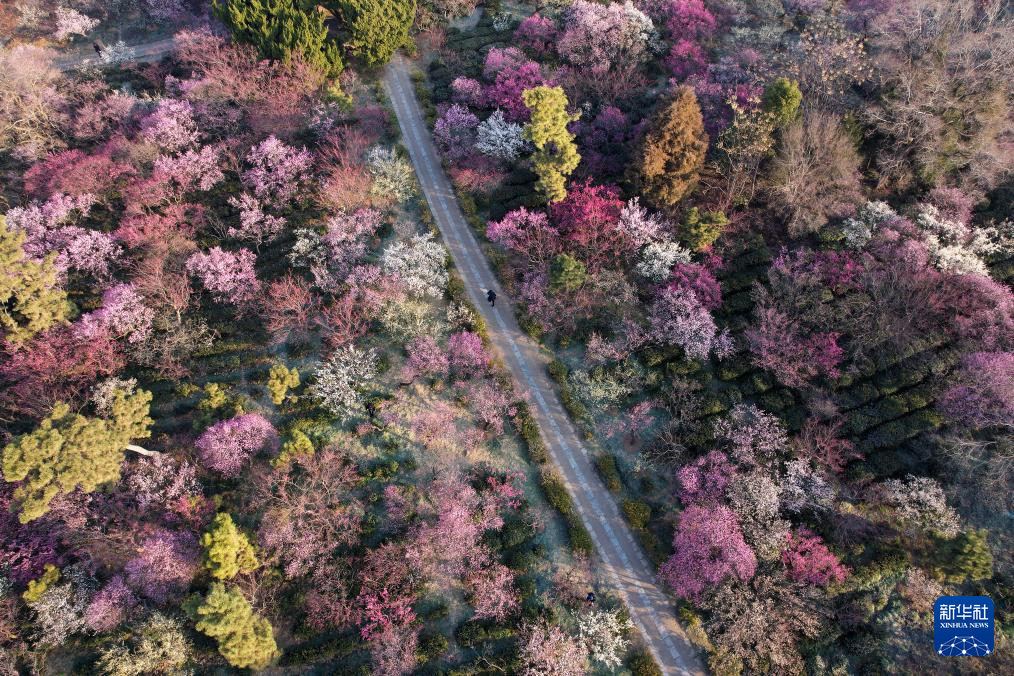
[148,51]
[633,578]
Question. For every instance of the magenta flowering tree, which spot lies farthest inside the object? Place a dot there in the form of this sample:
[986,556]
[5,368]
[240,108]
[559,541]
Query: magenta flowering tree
[679,318]
[111,606]
[537,33]
[511,82]
[455,131]
[703,482]
[228,445]
[171,126]
[25,549]
[698,279]
[588,218]
[166,565]
[689,20]
[278,172]
[382,612]
[527,233]
[123,314]
[709,548]
[807,559]
[604,142]
[985,396]
[467,355]
[686,58]
[229,276]
[426,358]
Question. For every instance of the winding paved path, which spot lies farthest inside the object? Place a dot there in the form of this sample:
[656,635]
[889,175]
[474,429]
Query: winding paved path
[148,51]
[632,576]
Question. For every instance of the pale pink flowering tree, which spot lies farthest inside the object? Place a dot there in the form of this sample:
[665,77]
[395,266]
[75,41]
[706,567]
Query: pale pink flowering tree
[171,126]
[167,563]
[467,91]
[455,131]
[492,592]
[490,404]
[190,170]
[639,226]
[679,318]
[227,446]
[984,394]
[433,426]
[395,651]
[161,480]
[752,436]
[123,314]
[278,172]
[528,233]
[467,355]
[72,22]
[111,606]
[807,559]
[229,276]
[601,36]
[164,10]
[703,482]
[634,422]
[709,549]
[498,58]
[255,225]
[546,649]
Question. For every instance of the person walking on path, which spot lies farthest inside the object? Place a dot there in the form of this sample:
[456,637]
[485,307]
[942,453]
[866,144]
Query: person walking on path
[97,46]
[491,297]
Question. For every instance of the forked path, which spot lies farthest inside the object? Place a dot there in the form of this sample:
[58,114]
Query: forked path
[622,560]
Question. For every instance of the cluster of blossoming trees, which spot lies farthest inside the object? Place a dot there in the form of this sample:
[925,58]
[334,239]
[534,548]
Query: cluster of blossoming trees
[797,305]
[236,402]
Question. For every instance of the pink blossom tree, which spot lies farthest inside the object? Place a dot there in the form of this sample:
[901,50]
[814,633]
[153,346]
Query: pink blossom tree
[689,20]
[777,344]
[709,549]
[255,224]
[171,126]
[547,649]
[492,593]
[278,173]
[751,436]
[511,82]
[807,559]
[527,233]
[601,36]
[498,58]
[189,171]
[698,279]
[466,353]
[228,445]
[678,318]
[491,403]
[703,482]
[164,568]
[382,611]
[536,33]
[123,314]
[229,276]
[468,91]
[111,606]
[984,395]
[426,358]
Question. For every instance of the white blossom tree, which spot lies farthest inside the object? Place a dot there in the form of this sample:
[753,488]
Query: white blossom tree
[658,259]
[603,634]
[920,503]
[393,177]
[498,138]
[339,380]
[420,264]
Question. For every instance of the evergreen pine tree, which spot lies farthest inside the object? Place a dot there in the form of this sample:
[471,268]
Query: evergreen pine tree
[30,299]
[556,154]
[377,28]
[245,640]
[227,551]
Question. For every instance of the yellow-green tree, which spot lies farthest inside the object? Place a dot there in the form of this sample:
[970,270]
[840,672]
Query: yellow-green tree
[556,155]
[30,298]
[280,381]
[227,551]
[297,446]
[69,451]
[665,167]
[245,640]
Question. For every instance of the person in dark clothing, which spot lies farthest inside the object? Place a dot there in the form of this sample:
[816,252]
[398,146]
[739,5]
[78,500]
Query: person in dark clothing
[491,297]
[590,599]
[97,47]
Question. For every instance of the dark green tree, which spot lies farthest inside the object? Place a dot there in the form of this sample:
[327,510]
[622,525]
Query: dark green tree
[377,28]
[781,100]
[567,273]
[281,28]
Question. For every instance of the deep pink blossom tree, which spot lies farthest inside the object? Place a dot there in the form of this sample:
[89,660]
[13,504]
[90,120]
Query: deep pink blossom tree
[278,172]
[505,93]
[807,559]
[75,173]
[229,276]
[228,445]
[689,20]
[498,58]
[709,548]
[426,358]
[777,344]
[26,549]
[166,565]
[686,58]
[588,218]
[382,611]
[604,142]
[703,482]
[698,279]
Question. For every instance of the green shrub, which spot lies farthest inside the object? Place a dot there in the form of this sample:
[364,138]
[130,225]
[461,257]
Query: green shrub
[529,431]
[637,512]
[558,371]
[432,647]
[606,466]
[641,663]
